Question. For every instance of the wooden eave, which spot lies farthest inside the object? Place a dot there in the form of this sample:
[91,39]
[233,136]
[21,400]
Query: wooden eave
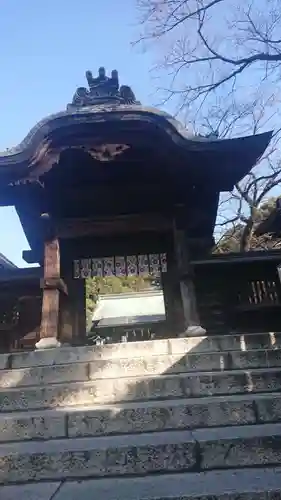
[18,275]
[243,258]
[228,160]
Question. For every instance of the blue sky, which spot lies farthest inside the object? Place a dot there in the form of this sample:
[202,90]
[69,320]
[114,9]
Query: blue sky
[45,49]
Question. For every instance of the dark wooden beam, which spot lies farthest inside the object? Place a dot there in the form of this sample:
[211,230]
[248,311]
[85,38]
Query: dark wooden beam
[227,259]
[12,195]
[107,226]
[32,257]
[54,284]
[99,190]
[20,275]
[101,200]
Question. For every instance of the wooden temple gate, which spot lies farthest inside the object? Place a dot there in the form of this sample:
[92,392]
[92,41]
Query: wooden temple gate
[69,260]
[108,178]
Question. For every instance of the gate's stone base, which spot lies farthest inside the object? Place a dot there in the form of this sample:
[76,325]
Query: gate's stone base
[193,331]
[47,343]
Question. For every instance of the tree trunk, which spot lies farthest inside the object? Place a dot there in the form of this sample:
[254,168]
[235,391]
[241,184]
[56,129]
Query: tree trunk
[246,237]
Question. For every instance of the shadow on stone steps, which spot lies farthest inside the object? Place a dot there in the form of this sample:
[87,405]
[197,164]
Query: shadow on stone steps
[145,418]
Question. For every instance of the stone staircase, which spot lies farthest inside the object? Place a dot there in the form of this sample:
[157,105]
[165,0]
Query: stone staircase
[195,418]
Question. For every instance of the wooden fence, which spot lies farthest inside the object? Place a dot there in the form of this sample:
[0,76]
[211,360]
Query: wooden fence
[20,308]
[235,293]
[239,293]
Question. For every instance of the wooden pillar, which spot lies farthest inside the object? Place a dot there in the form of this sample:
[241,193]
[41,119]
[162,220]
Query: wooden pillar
[191,319]
[52,287]
[172,297]
[74,323]
[81,311]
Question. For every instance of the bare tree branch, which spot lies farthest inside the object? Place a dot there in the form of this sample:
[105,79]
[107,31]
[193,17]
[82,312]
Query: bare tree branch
[220,66]
[240,211]
[247,38]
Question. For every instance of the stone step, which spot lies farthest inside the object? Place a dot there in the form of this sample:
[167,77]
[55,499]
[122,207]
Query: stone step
[161,387]
[34,491]
[249,484]
[137,367]
[140,454]
[151,416]
[203,344]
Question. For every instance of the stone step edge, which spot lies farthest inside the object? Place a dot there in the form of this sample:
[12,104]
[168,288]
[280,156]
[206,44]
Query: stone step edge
[76,422]
[103,457]
[128,405]
[31,491]
[150,357]
[84,444]
[141,378]
[13,360]
[174,366]
[217,484]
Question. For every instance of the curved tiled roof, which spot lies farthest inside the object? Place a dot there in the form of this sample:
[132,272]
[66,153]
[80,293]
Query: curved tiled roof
[22,161]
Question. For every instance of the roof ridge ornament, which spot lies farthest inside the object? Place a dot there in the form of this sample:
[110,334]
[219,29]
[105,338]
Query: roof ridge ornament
[102,90]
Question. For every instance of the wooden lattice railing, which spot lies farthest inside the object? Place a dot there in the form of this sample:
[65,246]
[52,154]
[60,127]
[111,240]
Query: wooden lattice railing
[20,309]
[259,293]
[239,292]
